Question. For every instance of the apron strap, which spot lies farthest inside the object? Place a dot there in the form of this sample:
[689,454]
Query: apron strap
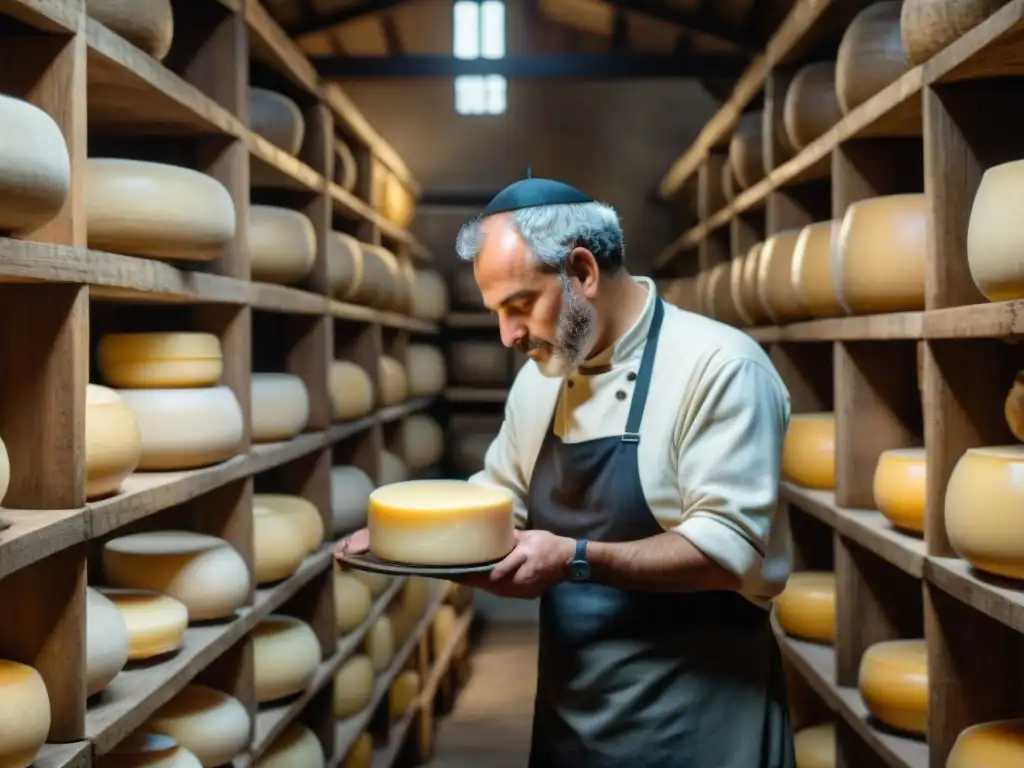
[643,376]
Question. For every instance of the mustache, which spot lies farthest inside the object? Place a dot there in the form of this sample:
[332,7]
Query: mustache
[529,344]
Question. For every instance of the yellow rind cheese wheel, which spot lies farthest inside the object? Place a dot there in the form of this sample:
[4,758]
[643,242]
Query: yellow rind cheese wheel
[809,450]
[997,744]
[899,487]
[893,681]
[806,608]
[815,746]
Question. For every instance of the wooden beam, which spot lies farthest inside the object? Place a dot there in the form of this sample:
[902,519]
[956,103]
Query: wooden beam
[391,36]
[694,22]
[356,10]
[620,30]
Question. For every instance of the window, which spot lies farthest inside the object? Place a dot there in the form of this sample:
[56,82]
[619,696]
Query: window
[479,33]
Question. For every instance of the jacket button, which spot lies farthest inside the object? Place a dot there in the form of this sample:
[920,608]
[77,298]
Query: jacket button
[631,376]
[621,395]
[570,383]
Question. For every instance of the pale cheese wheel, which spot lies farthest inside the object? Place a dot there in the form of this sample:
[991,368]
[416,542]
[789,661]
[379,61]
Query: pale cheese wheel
[346,169]
[893,681]
[148,25]
[775,288]
[352,601]
[813,282]
[746,154]
[35,179]
[996,744]
[282,244]
[296,747]
[1013,410]
[899,487]
[870,55]
[736,266]
[286,653]
[204,572]
[720,291]
[881,254]
[128,210]
[379,644]
[426,370]
[375,582]
[301,513]
[5,470]
[279,406]
[402,693]
[149,750]
[156,623]
[983,508]
[483,363]
[186,428]
[350,497]
[353,686]
[815,746]
[160,360]
[24,714]
[209,723]
[806,608]
[279,545]
[422,442]
[995,250]
[748,285]
[392,469]
[928,26]
[408,608]
[113,445]
[350,389]
[404,286]
[375,283]
[397,203]
[430,299]
[344,264]
[276,118]
[440,522]
[459,596]
[360,755]
[809,450]
[810,107]
[443,627]
[106,642]
[392,383]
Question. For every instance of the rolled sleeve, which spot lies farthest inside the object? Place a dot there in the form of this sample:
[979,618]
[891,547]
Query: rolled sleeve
[502,466]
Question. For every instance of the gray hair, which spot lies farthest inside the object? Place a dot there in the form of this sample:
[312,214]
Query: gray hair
[552,231]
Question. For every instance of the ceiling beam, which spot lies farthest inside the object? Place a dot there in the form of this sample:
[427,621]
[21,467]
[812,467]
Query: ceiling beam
[695,22]
[351,12]
[391,35]
[620,30]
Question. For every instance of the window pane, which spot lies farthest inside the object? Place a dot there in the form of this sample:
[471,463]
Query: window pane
[492,29]
[466,32]
[496,90]
[470,95]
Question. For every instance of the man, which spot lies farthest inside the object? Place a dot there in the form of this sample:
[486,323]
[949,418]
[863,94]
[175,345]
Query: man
[643,445]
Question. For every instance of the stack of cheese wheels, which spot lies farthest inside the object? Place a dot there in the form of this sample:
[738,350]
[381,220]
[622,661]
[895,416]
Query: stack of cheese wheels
[723,308]
[346,171]
[746,154]
[402,693]
[350,497]
[807,606]
[994,254]
[748,293]
[403,280]
[478,363]
[815,746]
[156,623]
[286,653]
[296,747]
[278,545]
[810,108]
[814,285]
[440,522]
[1013,407]
[353,686]
[809,450]
[430,299]
[210,724]
[282,244]
[928,26]
[149,750]
[127,210]
[113,446]
[899,487]
[406,610]
[203,572]
[350,389]
[465,293]
[422,442]
[37,174]
[379,643]
[106,642]
[360,273]
[276,118]
[893,681]
[426,370]
[392,468]
[392,383]
[352,601]
[736,299]
[998,744]
[880,254]
[279,406]
[984,499]
[24,714]
[775,288]
[870,55]
[169,381]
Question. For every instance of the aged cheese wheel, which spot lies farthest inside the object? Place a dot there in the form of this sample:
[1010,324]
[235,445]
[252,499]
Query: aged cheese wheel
[442,629]
[279,404]
[1013,409]
[392,383]
[775,288]
[106,642]
[806,608]
[392,469]
[430,299]
[205,573]
[478,364]
[344,264]
[113,445]
[899,487]
[928,26]
[728,181]
[996,744]
[809,450]
[984,504]
[736,265]
[720,287]
[459,596]
[276,118]
[353,686]
[893,681]
[127,210]
[815,746]
[746,155]
[36,176]
[346,169]
[426,370]
[296,747]
[408,608]
[810,108]
[870,55]
[186,428]
[465,293]
[748,285]
[375,582]
[379,644]
[813,281]
[286,653]
[165,360]
[375,278]
[350,389]
[279,545]
[881,254]
[994,249]
[350,497]
[403,693]
[352,601]
[282,244]
[422,441]
[149,750]
[361,753]
[209,723]
[440,522]
[156,623]
[24,714]
[397,203]
[301,513]
[148,25]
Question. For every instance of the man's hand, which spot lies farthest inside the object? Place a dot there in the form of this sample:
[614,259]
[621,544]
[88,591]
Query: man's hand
[539,561]
[354,544]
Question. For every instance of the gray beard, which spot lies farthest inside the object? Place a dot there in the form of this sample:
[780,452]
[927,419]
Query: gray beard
[574,335]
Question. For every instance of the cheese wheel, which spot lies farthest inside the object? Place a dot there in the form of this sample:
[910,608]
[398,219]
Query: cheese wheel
[286,653]
[296,747]
[815,746]
[276,118]
[810,107]
[404,274]
[36,176]
[870,55]
[997,744]
[149,750]
[995,250]
[928,26]
[346,169]
[775,288]
[806,608]
[402,693]
[279,545]
[736,265]
[440,522]
[813,282]
[379,644]
[459,596]
[282,244]
[443,627]
[746,154]
[160,360]
[127,210]
[24,714]
[408,608]
[479,363]
[422,442]
[209,723]
[397,204]
[344,264]
[983,508]
[353,686]
[301,513]
[392,384]
[148,25]
[279,406]
[113,446]
[899,487]
[1013,409]
[205,573]
[374,286]
[361,753]
[156,623]
[881,254]
[350,497]
[375,582]
[722,307]
[426,370]
[5,470]
[809,450]
[748,285]
[392,469]
[350,389]
[893,681]
[186,428]
[352,601]
[106,642]
[430,298]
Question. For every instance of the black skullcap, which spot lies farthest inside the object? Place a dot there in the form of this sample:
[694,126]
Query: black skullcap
[532,192]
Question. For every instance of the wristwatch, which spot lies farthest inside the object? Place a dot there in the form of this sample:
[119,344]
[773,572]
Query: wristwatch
[579,568]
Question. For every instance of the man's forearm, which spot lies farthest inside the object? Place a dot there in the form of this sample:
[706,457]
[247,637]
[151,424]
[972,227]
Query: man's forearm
[667,562]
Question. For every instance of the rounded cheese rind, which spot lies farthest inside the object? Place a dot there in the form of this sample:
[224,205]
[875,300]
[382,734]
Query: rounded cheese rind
[995,247]
[806,608]
[146,24]
[113,445]
[1013,408]
[128,210]
[426,370]
[810,107]
[352,601]
[402,693]
[209,723]
[149,750]
[429,296]
[997,744]
[350,498]
[815,746]
[282,244]
[928,26]
[893,681]
[353,686]
[375,582]
[24,714]
[350,389]
[106,642]
[813,281]
[379,644]
[300,512]
[279,406]
[160,360]
[276,118]
[745,150]
[286,653]
[870,55]
[809,450]
[346,169]
[392,469]
[775,288]
[899,487]
[422,441]
[360,755]
[296,747]
[279,545]
[392,384]
[156,623]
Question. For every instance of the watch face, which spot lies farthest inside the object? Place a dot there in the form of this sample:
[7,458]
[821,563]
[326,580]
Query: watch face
[579,570]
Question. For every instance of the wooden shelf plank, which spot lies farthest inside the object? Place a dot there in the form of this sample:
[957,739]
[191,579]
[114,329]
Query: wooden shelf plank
[30,535]
[1004,319]
[898,325]
[397,412]
[75,755]
[44,15]
[273,167]
[281,298]
[270,44]
[474,395]
[1001,599]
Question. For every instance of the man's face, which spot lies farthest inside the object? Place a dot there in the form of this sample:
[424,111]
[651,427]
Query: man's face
[539,313]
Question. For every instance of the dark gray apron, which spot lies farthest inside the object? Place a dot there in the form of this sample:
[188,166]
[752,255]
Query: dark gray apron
[631,679]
